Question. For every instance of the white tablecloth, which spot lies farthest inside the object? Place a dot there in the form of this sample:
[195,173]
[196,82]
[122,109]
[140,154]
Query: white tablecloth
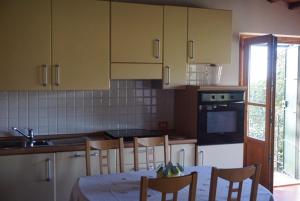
[125,187]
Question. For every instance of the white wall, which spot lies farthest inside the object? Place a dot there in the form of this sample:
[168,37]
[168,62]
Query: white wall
[256,16]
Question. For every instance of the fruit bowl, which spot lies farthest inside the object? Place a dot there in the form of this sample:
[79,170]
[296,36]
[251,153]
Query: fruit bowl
[169,170]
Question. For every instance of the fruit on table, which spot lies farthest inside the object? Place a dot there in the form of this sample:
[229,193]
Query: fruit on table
[169,170]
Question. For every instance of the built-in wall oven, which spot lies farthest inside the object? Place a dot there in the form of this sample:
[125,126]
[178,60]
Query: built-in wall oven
[220,117]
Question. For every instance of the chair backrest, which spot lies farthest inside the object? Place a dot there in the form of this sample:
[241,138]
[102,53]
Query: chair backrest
[169,185]
[104,145]
[150,142]
[236,175]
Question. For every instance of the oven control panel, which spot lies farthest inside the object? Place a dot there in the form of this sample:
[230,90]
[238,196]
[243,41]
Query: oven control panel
[221,96]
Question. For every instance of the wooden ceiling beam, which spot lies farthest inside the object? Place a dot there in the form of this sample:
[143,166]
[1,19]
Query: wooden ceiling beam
[272,1]
[293,5]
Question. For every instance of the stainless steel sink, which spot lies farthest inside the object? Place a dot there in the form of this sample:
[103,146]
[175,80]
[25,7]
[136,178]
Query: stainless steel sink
[41,143]
[69,141]
[11,144]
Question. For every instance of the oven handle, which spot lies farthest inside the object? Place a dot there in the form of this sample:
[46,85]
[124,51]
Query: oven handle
[223,105]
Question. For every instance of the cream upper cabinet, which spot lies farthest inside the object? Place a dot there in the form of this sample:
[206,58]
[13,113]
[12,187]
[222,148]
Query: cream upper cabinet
[175,38]
[136,33]
[80,44]
[54,44]
[25,49]
[209,36]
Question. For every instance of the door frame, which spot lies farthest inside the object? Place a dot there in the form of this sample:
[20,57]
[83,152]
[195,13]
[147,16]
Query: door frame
[267,146]
[280,39]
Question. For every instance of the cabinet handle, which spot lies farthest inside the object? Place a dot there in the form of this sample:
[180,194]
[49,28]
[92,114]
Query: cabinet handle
[182,151]
[45,74]
[142,151]
[191,49]
[48,168]
[57,74]
[202,157]
[94,154]
[157,48]
[76,155]
[168,70]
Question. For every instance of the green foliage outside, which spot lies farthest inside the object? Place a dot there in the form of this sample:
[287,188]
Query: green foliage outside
[279,109]
[257,114]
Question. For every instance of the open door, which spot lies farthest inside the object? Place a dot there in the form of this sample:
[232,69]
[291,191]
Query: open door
[259,70]
[291,146]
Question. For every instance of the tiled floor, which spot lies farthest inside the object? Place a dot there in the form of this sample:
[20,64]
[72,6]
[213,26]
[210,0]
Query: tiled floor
[287,193]
[281,179]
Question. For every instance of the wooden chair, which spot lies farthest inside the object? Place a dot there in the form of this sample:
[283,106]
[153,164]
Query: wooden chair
[150,142]
[104,145]
[169,185]
[237,175]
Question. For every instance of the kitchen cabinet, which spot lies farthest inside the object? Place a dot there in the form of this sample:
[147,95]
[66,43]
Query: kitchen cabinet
[80,44]
[136,38]
[25,39]
[158,157]
[209,36]
[175,48]
[56,44]
[221,156]
[69,167]
[132,71]
[27,177]
[184,154]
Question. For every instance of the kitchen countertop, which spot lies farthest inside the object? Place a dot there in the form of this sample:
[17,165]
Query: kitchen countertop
[72,142]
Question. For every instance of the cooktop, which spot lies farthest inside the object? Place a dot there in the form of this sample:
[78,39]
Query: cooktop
[129,134]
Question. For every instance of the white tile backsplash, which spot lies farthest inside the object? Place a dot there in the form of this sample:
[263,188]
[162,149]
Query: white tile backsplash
[128,104]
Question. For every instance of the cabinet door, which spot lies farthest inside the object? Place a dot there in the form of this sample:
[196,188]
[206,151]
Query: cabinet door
[27,177]
[156,155]
[69,167]
[80,44]
[184,154]
[221,156]
[175,38]
[136,33]
[25,49]
[209,36]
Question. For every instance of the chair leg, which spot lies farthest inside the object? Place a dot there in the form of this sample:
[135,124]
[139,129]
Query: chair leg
[175,195]
[163,197]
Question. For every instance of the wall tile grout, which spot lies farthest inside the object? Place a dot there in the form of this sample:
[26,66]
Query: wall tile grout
[128,104]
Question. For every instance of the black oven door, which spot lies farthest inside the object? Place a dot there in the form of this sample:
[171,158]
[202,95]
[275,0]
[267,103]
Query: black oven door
[221,123]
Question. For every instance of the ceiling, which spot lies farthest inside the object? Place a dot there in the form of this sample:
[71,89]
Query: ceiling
[292,4]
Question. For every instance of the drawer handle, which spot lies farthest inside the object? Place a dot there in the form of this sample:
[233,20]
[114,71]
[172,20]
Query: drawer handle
[142,151]
[48,169]
[76,155]
[45,74]
[94,154]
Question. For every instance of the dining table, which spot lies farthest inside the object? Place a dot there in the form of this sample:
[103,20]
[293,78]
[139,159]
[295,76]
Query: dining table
[126,187]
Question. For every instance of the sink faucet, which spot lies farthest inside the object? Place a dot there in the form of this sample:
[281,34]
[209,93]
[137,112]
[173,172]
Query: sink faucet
[29,136]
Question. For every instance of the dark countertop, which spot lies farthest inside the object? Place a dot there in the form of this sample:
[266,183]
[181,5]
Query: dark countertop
[72,142]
